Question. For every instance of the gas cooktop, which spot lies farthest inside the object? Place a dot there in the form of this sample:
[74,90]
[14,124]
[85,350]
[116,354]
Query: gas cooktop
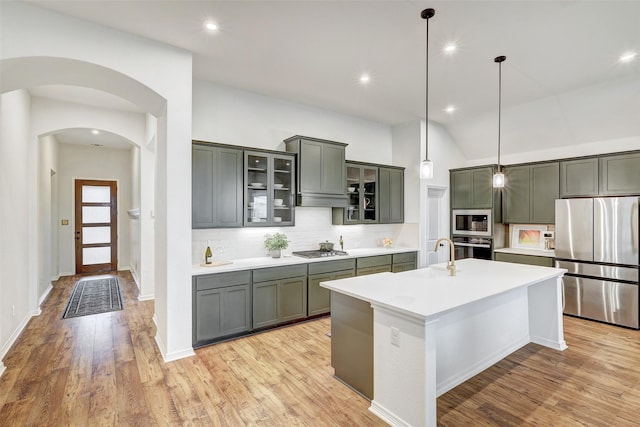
[318,254]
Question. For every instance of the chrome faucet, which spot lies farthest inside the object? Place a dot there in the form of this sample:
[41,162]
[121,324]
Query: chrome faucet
[451,265]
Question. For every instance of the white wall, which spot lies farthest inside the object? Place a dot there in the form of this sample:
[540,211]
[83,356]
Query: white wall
[48,215]
[16,259]
[563,152]
[231,116]
[100,163]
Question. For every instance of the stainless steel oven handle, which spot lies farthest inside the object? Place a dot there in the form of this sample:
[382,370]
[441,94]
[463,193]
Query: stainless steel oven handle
[472,245]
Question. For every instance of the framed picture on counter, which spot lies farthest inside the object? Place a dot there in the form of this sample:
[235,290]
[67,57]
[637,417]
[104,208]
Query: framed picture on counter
[528,236]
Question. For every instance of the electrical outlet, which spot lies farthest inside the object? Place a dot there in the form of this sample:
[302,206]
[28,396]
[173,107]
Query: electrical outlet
[395,337]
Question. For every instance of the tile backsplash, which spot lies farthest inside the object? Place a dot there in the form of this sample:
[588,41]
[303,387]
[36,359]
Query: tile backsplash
[313,225]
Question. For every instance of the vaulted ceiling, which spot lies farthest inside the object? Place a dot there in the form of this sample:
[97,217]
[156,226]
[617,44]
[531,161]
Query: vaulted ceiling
[563,82]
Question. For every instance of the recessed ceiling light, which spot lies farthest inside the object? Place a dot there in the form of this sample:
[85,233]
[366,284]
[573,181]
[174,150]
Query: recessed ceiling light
[627,56]
[365,79]
[450,109]
[95,131]
[211,26]
[450,48]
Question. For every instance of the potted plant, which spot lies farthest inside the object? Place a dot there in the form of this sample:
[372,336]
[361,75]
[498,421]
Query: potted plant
[275,243]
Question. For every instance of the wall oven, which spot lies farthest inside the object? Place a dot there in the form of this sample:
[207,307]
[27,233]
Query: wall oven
[472,247]
[471,222]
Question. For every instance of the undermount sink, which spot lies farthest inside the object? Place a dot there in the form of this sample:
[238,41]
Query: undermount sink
[443,267]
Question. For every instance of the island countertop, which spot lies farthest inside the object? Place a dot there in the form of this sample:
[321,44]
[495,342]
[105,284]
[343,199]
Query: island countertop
[431,291]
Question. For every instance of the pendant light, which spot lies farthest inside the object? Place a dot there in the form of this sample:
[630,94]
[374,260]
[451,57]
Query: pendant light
[498,177]
[426,166]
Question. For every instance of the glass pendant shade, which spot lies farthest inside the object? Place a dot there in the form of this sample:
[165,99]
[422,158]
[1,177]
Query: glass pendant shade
[426,169]
[498,180]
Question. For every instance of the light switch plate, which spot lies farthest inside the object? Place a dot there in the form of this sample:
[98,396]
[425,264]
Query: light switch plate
[65,222]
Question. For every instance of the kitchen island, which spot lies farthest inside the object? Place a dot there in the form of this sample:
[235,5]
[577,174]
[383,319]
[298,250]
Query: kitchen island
[420,333]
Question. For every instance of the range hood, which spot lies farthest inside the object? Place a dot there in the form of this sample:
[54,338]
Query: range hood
[320,171]
[322,200]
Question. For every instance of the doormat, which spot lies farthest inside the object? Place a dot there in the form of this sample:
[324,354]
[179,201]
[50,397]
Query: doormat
[94,296]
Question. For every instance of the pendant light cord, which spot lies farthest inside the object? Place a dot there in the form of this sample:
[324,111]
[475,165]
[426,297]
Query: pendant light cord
[499,108]
[426,15]
[499,60]
[426,97]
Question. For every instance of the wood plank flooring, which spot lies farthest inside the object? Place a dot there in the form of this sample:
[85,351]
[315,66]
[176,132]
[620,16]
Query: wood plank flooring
[105,370]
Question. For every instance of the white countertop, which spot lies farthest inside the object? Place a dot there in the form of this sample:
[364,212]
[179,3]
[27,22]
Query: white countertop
[550,253]
[267,261]
[430,291]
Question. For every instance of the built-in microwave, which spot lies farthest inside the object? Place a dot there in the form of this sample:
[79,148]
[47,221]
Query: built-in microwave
[471,222]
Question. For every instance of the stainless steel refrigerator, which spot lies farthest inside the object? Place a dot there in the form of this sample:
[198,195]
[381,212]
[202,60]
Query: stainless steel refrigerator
[597,242]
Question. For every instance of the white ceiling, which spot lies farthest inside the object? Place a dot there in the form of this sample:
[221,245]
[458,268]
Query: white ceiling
[562,82]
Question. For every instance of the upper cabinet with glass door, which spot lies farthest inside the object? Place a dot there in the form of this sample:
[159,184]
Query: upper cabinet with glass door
[362,190]
[269,189]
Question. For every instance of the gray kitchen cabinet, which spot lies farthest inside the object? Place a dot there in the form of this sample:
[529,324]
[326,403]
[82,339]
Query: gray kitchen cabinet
[517,195]
[363,190]
[216,186]
[269,189]
[472,188]
[373,264]
[279,295]
[391,198]
[319,300]
[619,175]
[524,259]
[579,177]
[404,262]
[321,171]
[221,306]
[530,193]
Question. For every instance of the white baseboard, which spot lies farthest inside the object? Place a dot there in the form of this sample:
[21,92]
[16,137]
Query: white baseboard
[170,357]
[136,279]
[14,336]
[45,294]
[66,273]
[387,416]
[55,278]
[2,368]
[146,297]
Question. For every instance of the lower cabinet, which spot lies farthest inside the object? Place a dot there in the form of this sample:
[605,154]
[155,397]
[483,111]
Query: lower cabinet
[373,264]
[404,262]
[279,295]
[221,306]
[524,259]
[319,301]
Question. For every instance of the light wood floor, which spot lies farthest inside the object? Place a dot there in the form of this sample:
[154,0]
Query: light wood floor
[105,370]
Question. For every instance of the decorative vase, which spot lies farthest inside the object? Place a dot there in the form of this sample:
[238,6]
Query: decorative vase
[275,253]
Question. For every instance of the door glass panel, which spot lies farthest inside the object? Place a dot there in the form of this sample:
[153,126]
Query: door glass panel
[96,235]
[95,194]
[353,188]
[369,178]
[257,205]
[96,255]
[282,189]
[96,214]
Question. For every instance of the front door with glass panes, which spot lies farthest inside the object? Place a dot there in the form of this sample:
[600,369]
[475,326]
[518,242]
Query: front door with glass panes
[269,189]
[96,226]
